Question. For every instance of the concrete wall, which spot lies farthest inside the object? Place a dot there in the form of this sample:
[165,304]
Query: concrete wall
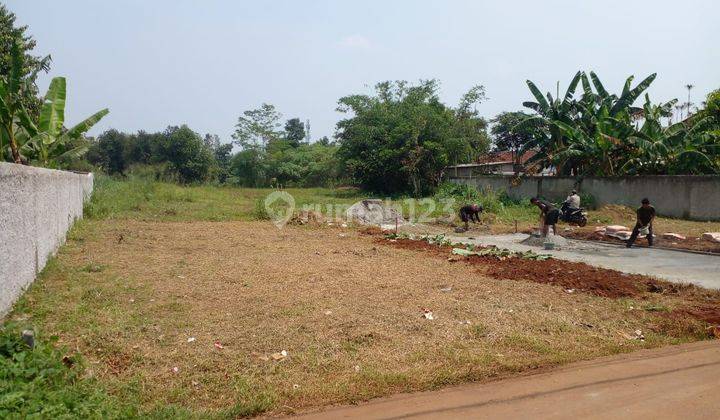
[37,207]
[687,197]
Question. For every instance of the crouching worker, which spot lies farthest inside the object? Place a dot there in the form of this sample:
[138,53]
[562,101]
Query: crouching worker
[549,215]
[470,212]
[645,217]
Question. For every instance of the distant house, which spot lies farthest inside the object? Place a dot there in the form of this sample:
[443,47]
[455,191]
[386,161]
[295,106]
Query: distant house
[499,163]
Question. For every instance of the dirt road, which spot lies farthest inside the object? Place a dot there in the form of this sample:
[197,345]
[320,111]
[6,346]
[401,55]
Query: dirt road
[671,382]
[676,266]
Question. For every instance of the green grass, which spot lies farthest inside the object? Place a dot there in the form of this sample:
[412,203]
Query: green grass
[158,201]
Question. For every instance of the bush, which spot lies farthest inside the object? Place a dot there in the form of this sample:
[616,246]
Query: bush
[42,382]
[499,203]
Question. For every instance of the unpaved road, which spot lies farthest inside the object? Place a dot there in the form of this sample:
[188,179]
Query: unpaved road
[671,382]
[675,266]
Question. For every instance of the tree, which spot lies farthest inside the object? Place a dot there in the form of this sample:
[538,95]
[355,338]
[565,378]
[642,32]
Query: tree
[13,114]
[598,134]
[12,36]
[258,127]
[509,134]
[401,138]
[221,153]
[48,143]
[187,154]
[294,131]
[111,145]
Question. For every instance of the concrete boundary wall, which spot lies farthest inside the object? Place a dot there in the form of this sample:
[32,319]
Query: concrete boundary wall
[37,207]
[687,197]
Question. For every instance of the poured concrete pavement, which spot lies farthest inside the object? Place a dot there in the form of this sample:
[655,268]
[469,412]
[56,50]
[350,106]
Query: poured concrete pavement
[675,266]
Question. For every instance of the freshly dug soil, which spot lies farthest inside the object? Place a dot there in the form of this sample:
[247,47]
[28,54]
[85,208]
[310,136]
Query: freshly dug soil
[579,277]
[570,275]
[707,313]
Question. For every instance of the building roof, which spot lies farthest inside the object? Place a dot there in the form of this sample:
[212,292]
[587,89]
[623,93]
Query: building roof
[504,157]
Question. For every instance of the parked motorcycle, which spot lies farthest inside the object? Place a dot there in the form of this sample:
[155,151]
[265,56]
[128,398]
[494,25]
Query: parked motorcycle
[573,216]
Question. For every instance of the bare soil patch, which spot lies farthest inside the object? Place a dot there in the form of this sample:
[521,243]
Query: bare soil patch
[570,275]
[574,277]
[195,314]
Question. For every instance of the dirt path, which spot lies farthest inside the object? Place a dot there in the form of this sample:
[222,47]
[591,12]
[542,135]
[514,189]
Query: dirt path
[671,382]
[681,267]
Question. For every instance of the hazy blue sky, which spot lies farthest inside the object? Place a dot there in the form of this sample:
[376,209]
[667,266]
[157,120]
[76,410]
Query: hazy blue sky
[161,62]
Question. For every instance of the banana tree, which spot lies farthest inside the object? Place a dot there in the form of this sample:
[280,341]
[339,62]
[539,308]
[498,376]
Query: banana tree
[12,112]
[681,148]
[549,139]
[48,143]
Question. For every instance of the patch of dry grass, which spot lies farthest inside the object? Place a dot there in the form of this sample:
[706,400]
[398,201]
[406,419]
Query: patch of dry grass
[129,294]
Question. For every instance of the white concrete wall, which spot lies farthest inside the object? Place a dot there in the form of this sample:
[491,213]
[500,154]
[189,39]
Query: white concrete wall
[687,197]
[37,207]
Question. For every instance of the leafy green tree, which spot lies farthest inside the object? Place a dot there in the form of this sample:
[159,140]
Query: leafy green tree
[401,138]
[248,169]
[221,153]
[258,127]
[142,148]
[294,131]
[112,152]
[112,145]
[509,134]
[12,36]
[13,114]
[187,154]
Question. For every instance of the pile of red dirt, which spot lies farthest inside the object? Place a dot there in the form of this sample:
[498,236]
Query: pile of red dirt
[573,276]
[707,313]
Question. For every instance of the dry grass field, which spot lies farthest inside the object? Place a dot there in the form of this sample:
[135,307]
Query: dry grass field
[197,314]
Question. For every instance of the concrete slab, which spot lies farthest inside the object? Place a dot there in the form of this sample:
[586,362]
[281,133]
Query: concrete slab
[675,266]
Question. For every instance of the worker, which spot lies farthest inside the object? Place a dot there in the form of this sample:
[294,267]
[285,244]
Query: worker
[470,212]
[645,216]
[548,214]
[573,200]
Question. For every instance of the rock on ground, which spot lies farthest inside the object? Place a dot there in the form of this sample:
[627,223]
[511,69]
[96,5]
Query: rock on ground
[374,212]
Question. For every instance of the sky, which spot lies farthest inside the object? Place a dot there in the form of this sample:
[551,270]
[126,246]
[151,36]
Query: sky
[202,63]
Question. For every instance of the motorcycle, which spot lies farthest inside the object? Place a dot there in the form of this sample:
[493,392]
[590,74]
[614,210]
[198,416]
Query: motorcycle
[573,216]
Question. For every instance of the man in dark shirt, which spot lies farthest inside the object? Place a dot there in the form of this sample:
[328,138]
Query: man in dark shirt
[645,217]
[548,213]
[470,212]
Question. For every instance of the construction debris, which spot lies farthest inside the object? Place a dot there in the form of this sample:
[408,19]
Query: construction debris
[557,241]
[374,212]
[711,236]
[673,236]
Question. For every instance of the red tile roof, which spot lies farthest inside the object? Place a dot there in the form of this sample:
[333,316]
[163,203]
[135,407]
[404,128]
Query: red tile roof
[504,157]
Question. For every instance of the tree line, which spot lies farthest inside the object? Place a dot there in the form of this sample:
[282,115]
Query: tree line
[398,139]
